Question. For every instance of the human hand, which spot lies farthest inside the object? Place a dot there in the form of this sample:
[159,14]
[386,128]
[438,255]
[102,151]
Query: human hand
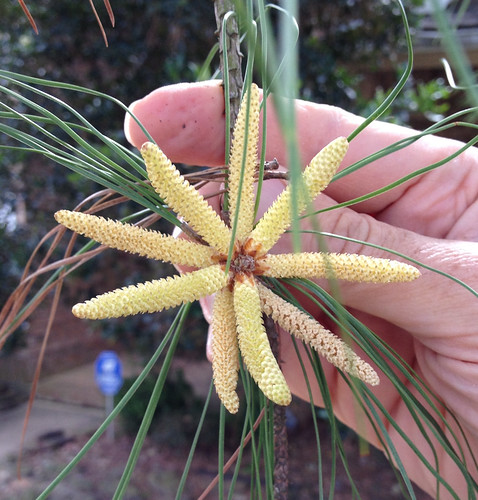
[433,322]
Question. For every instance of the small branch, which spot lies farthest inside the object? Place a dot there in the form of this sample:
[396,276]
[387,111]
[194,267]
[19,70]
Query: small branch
[189,231]
[234,456]
[233,54]
[230,58]
[281,454]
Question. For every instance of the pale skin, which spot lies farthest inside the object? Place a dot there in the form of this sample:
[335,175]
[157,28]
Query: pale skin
[432,322]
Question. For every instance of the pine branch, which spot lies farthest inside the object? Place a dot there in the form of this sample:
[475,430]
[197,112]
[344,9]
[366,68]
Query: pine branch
[281,453]
[223,8]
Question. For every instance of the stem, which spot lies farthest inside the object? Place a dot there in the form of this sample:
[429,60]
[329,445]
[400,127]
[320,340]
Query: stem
[281,455]
[230,58]
[230,62]
[231,69]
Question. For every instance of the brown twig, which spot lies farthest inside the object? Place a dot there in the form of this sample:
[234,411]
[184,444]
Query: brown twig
[108,7]
[98,20]
[234,57]
[27,13]
[223,8]
[234,456]
[281,455]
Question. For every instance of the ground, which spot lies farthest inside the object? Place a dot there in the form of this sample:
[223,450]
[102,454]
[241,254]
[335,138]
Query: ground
[160,466]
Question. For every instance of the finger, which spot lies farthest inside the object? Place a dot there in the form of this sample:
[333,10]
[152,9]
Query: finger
[187,121]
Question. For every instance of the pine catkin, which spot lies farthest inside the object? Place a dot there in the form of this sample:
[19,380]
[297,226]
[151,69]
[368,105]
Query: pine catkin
[350,267]
[315,178]
[184,199]
[236,161]
[153,296]
[254,344]
[322,167]
[137,240]
[225,352]
[305,328]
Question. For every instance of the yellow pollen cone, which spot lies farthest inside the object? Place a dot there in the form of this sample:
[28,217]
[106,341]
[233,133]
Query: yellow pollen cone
[315,178]
[137,240]
[305,328]
[254,344]
[153,296]
[244,200]
[350,267]
[225,351]
[184,198]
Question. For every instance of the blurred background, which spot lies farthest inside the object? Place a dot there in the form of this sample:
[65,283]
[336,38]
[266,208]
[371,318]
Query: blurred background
[351,54]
